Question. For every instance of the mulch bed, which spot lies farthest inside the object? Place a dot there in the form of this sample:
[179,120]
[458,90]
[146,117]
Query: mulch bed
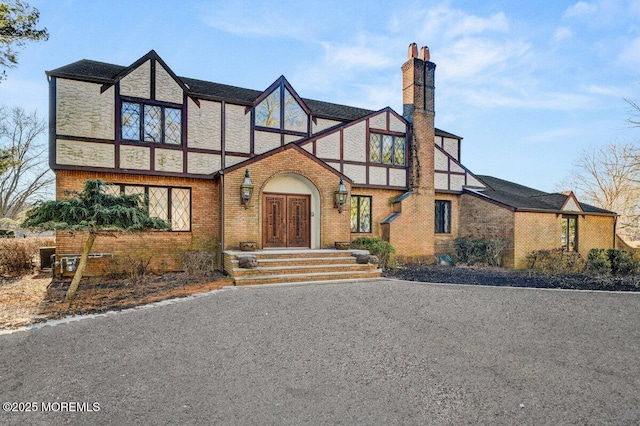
[506,277]
[106,295]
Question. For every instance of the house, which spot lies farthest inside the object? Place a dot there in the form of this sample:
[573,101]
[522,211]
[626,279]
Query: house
[227,165]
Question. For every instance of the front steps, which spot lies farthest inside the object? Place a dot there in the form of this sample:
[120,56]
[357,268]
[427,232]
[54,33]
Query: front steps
[292,266]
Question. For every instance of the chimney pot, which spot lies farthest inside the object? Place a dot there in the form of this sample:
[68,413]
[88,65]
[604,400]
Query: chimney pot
[413,51]
[424,54]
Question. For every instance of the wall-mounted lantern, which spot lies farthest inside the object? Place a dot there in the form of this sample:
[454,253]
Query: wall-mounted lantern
[340,196]
[246,189]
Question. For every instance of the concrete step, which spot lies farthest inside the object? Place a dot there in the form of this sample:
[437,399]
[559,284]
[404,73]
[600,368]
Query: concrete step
[291,254]
[297,278]
[298,261]
[281,269]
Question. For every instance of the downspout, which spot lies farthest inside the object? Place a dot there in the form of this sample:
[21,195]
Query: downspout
[221,260]
[615,225]
[223,160]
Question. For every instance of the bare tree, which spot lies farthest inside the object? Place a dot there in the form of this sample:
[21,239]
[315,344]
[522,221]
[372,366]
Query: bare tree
[635,122]
[27,175]
[609,177]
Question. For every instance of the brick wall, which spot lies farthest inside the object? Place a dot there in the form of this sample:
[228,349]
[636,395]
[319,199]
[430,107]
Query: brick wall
[165,248]
[246,224]
[543,231]
[381,207]
[535,231]
[444,242]
[482,219]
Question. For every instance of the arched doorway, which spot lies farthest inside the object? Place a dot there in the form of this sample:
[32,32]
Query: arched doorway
[290,211]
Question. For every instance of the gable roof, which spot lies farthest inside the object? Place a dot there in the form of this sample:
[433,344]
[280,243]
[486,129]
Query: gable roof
[274,151]
[102,72]
[520,197]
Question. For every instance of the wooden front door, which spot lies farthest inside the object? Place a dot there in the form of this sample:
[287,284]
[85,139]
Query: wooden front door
[286,220]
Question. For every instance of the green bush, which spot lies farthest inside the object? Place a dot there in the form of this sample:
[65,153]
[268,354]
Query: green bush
[377,247]
[623,262]
[598,262]
[477,251]
[555,261]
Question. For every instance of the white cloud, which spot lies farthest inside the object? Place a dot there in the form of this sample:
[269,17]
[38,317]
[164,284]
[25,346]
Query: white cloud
[496,98]
[553,135]
[349,56]
[630,54]
[610,91]
[477,58]
[562,33]
[248,18]
[467,25]
[581,9]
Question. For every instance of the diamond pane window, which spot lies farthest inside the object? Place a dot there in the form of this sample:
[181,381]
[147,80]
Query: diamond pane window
[112,190]
[365,214]
[294,116]
[130,121]
[180,209]
[375,139]
[398,151]
[354,213]
[360,213]
[129,190]
[152,123]
[268,111]
[159,203]
[172,125]
[387,149]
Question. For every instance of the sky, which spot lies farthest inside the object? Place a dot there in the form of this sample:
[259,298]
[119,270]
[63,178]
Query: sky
[527,84]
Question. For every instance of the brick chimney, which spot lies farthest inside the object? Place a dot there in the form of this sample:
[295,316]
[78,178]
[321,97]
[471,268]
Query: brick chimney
[418,109]
[417,239]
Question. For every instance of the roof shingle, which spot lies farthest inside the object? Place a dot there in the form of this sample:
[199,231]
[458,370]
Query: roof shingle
[521,197]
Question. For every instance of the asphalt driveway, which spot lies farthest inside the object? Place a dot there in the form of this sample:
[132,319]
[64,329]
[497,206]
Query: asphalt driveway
[383,352]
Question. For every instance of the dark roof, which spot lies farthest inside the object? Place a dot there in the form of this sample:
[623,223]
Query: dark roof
[101,72]
[446,134]
[521,197]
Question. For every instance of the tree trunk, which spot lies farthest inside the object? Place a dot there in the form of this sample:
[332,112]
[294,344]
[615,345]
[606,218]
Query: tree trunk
[81,266]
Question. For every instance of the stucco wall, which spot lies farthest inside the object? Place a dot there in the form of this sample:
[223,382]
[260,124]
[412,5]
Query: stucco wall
[83,111]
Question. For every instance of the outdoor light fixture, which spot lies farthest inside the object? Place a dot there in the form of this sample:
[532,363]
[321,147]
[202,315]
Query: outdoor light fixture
[340,196]
[246,189]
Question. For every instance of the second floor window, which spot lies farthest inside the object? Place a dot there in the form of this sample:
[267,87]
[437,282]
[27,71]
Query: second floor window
[281,111]
[387,149]
[151,123]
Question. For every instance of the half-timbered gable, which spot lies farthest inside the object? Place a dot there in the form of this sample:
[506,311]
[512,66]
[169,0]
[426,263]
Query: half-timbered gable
[371,151]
